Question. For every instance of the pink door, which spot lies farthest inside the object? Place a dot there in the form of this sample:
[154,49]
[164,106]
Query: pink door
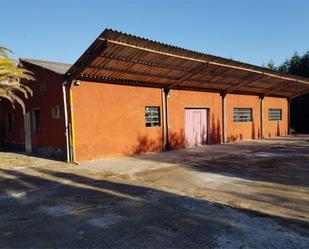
[195,127]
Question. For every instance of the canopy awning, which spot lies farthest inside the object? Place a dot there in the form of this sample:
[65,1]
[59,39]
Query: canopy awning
[125,59]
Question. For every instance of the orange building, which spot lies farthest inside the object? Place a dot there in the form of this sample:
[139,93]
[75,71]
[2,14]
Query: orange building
[128,95]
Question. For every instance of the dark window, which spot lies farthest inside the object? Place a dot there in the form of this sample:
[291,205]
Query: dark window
[9,122]
[56,112]
[43,86]
[152,115]
[36,121]
[274,114]
[242,115]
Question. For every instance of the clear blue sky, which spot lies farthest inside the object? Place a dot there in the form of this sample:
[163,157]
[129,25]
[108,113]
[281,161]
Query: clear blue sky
[249,31]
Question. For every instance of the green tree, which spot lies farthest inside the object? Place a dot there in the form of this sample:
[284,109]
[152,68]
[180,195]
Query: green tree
[11,76]
[298,65]
[271,65]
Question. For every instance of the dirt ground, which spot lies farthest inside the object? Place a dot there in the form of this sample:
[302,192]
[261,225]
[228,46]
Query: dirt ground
[241,195]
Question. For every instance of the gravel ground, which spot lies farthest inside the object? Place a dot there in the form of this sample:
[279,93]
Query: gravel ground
[159,200]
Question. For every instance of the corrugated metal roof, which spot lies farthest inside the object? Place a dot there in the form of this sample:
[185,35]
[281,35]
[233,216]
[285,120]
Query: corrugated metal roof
[116,35]
[122,58]
[57,67]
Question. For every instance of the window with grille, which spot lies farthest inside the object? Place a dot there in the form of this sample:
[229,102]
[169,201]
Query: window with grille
[152,115]
[43,86]
[242,115]
[274,114]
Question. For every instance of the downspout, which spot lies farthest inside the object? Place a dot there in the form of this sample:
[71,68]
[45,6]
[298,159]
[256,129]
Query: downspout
[72,130]
[66,123]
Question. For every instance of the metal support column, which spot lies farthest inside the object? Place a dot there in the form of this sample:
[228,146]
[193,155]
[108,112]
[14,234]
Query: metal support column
[165,117]
[262,116]
[224,126]
[289,116]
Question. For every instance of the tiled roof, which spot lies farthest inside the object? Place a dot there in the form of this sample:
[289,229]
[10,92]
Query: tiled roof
[57,67]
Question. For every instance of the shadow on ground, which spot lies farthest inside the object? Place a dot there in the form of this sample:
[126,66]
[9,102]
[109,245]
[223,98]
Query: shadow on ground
[277,160]
[42,208]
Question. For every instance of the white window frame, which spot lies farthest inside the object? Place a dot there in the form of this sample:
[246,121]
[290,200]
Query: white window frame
[152,116]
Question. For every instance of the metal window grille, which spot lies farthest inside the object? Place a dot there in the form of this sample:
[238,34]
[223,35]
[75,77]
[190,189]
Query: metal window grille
[152,115]
[274,114]
[242,115]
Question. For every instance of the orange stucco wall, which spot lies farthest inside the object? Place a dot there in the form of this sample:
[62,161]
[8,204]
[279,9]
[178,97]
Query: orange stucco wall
[110,120]
[275,128]
[179,100]
[242,130]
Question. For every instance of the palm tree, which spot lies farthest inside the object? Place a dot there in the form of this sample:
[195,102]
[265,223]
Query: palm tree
[10,80]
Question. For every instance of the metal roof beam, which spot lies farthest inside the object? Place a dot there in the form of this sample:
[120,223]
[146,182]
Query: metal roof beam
[298,94]
[199,60]
[145,63]
[188,76]
[119,81]
[132,73]
[165,66]
[221,75]
[245,82]
[278,89]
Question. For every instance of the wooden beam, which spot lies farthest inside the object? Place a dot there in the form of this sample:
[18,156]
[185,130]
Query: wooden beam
[135,73]
[201,60]
[119,81]
[166,66]
[216,75]
[202,82]
[224,84]
[188,76]
[145,63]
[198,89]
[222,75]
[298,94]
[245,82]
[163,77]
[278,89]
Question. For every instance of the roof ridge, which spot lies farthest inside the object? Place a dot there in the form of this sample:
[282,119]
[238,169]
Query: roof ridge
[57,67]
[40,60]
